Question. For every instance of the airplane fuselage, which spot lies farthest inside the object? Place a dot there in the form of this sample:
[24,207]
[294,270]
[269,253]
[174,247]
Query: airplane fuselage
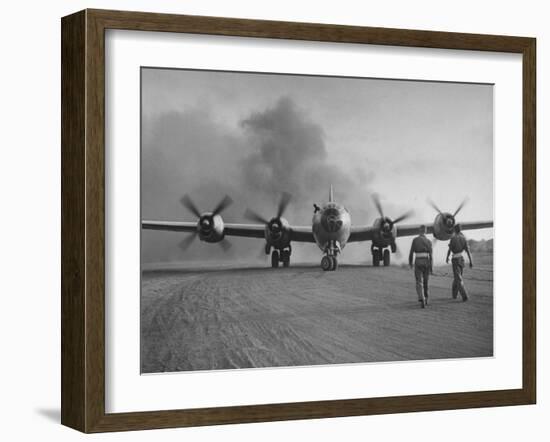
[331,227]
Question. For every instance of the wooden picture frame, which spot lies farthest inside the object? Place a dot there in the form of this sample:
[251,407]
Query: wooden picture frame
[83,218]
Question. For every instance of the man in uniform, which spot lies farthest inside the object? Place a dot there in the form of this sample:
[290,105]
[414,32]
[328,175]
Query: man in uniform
[422,248]
[457,246]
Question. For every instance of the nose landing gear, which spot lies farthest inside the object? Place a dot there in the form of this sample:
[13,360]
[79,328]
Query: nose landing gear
[329,262]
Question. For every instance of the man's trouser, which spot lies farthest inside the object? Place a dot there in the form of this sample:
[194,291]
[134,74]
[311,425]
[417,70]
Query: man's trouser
[422,275]
[458,281]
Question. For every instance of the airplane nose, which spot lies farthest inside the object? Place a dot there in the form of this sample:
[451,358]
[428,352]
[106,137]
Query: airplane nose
[334,224]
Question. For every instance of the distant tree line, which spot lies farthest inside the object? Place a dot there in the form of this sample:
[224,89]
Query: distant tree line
[480,246]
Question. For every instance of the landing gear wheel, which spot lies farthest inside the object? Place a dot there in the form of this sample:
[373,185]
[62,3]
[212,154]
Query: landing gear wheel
[285,257]
[386,258]
[334,263]
[375,258]
[326,263]
[274,259]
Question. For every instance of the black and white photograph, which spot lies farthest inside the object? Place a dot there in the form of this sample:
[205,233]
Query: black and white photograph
[303,220]
[248,221]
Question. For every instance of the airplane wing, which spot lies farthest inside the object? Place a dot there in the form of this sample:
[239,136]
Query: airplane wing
[366,233]
[230,229]
[361,233]
[171,226]
[412,229]
[297,234]
[301,234]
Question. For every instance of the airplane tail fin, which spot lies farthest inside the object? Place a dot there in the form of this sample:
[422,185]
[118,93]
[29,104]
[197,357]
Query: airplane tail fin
[331,195]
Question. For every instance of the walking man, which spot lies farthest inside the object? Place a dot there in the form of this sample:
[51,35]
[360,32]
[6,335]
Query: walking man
[421,247]
[457,246]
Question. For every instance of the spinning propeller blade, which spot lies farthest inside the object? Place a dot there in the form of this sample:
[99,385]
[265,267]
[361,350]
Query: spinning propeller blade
[403,217]
[376,200]
[283,203]
[222,205]
[462,204]
[431,203]
[378,205]
[188,203]
[205,221]
[281,208]
[187,241]
[254,216]
[225,244]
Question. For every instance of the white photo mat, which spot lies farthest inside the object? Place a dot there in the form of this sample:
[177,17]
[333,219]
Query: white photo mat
[127,390]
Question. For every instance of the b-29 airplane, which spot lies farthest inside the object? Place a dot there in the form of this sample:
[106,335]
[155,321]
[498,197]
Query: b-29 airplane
[330,229]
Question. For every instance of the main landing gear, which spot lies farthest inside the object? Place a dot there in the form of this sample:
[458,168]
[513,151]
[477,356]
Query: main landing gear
[381,254]
[282,256]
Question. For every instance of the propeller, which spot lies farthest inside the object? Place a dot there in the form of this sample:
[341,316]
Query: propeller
[403,217]
[222,205]
[283,203]
[281,208]
[449,217]
[205,221]
[460,206]
[225,244]
[188,203]
[274,224]
[187,241]
[378,205]
[254,216]
[388,223]
[437,209]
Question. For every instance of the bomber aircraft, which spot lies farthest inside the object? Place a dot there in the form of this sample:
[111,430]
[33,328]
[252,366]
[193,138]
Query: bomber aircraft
[330,229]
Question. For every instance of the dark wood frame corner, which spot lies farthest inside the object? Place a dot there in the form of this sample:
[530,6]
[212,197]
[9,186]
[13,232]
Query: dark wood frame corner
[83,215]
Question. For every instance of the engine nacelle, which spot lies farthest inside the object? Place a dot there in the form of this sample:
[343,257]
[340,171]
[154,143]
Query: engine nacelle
[210,227]
[277,232]
[385,232]
[444,224]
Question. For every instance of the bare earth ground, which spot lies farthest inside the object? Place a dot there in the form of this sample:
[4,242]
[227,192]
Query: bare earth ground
[260,317]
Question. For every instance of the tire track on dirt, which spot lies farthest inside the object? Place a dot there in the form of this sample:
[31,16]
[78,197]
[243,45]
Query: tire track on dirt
[232,318]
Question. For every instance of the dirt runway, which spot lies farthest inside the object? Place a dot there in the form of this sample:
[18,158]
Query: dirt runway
[261,317]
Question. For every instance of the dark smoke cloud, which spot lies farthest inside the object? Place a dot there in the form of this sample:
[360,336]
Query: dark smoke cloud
[272,150]
[290,154]
[184,152]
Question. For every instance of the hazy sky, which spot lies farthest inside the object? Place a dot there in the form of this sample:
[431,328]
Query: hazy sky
[254,135]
